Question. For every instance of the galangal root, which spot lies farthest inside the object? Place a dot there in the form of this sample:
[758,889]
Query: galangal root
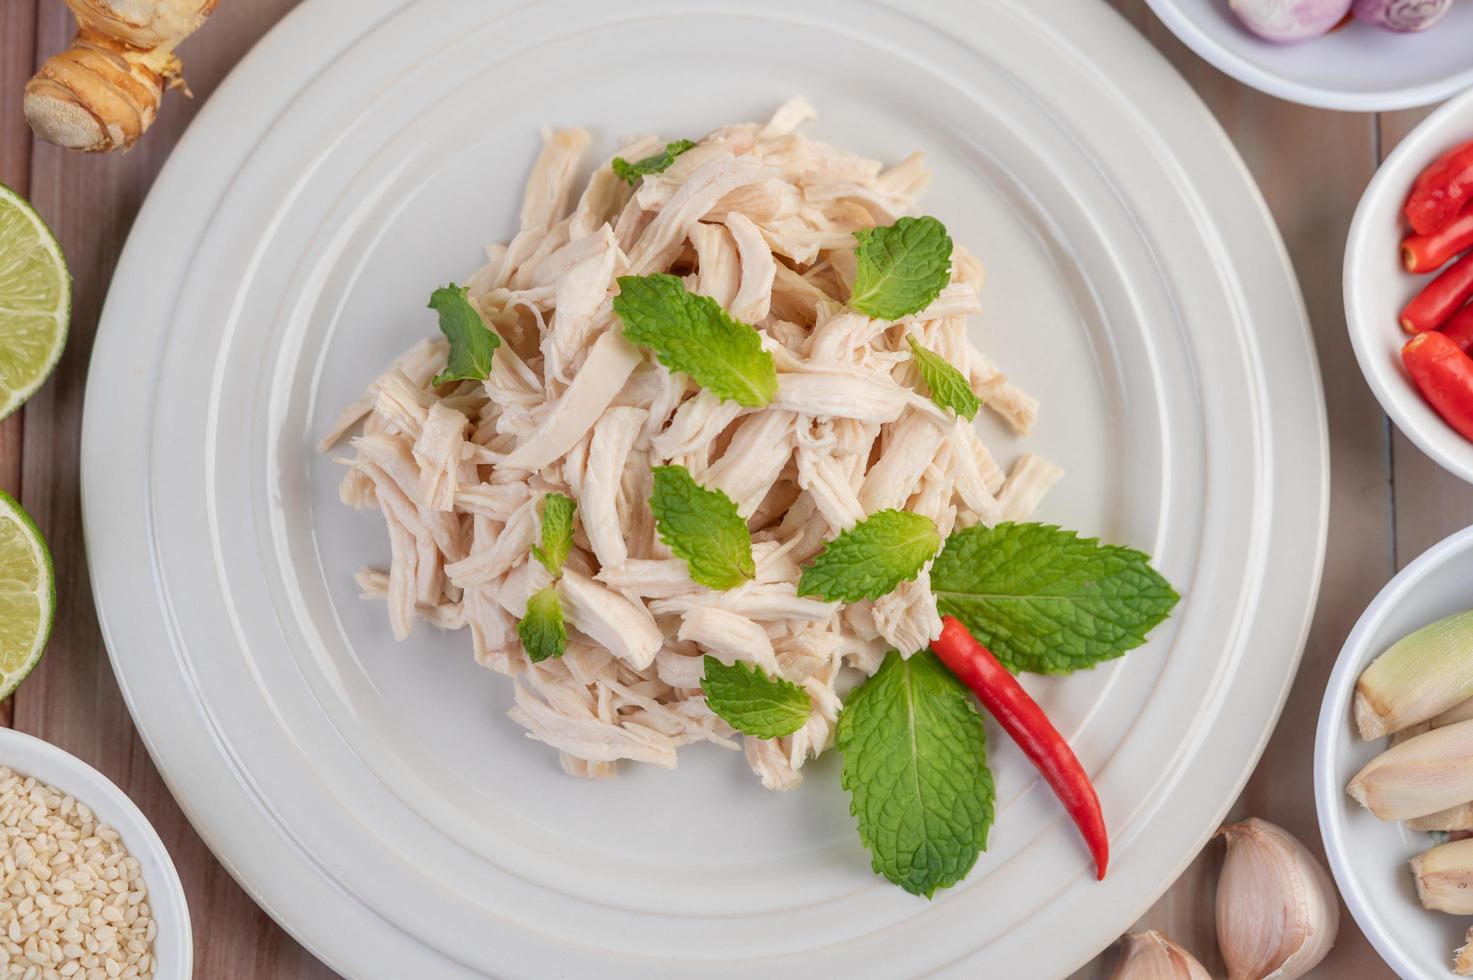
[101,93]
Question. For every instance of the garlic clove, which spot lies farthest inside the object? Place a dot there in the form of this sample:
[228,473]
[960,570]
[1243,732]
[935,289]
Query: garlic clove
[1277,911]
[1444,877]
[1463,956]
[1427,773]
[1151,956]
[1458,817]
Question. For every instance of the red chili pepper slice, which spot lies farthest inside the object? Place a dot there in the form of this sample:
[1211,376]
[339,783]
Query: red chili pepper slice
[1444,375]
[1022,718]
[1441,191]
[1427,253]
[1460,329]
[1440,299]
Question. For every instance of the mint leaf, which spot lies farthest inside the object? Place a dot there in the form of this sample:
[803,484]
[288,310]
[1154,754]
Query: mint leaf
[471,342]
[541,629]
[902,268]
[658,163]
[693,334]
[947,385]
[1046,600]
[753,703]
[915,766]
[557,533]
[871,558]
[702,527]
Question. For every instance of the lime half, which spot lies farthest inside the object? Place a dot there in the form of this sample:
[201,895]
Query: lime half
[35,301]
[27,594]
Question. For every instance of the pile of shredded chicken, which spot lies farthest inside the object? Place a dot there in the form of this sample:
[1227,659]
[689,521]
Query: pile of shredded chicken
[761,219]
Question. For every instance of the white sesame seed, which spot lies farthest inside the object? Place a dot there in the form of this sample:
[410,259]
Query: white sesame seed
[72,900]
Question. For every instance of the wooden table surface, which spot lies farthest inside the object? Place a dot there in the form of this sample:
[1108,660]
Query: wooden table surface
[1388,502]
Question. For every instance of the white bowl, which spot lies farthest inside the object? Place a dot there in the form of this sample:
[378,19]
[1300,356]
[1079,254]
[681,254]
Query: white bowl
[1359,67]
[1377,287]
[1368,857]
[174,945]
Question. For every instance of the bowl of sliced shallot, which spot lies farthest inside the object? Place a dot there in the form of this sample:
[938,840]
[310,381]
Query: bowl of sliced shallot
[1409,286]
[1358,55]
[1394,766]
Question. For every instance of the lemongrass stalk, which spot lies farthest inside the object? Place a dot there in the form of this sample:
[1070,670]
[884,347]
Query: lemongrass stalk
[1458,817]
[1422,775]
[1444,877]
[1418,677]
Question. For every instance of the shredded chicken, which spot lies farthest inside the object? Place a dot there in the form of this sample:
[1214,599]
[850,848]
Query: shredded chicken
[761,219]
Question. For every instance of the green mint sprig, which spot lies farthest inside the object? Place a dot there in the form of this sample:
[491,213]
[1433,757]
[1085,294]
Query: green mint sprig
[870,559]
[900,269]
[946,385]
[654,164]
[1046,600]
[753,703]
[542,631]
[694,335]
[703,528]
[915,766]
[557,533]
[471,343]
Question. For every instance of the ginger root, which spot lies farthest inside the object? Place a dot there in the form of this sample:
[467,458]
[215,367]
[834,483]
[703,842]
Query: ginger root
[101,93]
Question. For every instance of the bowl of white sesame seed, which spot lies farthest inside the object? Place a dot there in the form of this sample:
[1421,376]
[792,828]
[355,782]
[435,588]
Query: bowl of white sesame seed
[87,890]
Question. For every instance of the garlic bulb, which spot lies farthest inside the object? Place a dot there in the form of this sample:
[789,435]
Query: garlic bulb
[1151,956]
[1277,912]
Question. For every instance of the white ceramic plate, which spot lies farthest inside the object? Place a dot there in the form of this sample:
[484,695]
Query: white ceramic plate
[1377,286]
[373,796]
[174,947]
[1359,67]
[1369,858]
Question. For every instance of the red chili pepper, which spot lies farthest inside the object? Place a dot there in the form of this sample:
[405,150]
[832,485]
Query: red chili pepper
[1460,329]
[1022,718]
[1444,375]
[1440,299]
[1427,253]
[1441,191]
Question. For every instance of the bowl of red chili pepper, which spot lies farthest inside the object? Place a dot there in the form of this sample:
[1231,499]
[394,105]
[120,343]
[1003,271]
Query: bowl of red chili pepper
[1409,286]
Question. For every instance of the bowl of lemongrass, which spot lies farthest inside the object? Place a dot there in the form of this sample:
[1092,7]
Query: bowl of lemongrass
[1394,766]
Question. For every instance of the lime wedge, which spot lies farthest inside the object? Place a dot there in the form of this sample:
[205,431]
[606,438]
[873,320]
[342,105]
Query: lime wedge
[35,301]
[27,594]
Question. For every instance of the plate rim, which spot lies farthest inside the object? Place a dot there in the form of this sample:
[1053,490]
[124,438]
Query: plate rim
[148,217]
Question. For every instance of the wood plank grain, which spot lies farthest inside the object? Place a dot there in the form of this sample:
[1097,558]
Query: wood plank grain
[17,62]
[1312,166]
[72,699]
